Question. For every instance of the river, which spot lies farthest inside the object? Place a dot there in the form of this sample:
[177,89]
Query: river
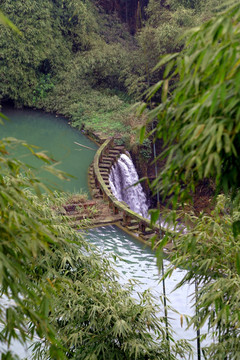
[136,261]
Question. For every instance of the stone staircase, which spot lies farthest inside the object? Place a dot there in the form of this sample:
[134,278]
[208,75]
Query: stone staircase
[105,164]
[106,161]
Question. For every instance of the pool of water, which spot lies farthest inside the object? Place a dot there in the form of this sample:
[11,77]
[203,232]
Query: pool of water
[137,261]
[55,136]
[134,261]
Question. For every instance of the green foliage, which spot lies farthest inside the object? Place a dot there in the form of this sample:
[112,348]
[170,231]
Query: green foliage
[60,288]
[83,51]
[65,65]
[102,65]
[210,252]
[25,233]
[81,24]
[146,149]
[199,121]
[161,34]
[43,87]
[5,21]
[192,4]
[22,58]
[85,102]
[164,32]
[98,319]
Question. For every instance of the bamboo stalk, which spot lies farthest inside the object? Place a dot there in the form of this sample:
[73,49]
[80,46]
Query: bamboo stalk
[87,147]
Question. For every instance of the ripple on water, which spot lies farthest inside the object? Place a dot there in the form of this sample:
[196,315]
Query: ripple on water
[138,262]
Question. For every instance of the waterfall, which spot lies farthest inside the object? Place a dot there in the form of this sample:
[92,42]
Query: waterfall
[122,178]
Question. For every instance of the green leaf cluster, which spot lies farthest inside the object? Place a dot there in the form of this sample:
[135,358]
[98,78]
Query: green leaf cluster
[60,289]
[211,253]
[199,120]
[25,233]
[71,57]
[163,32]
[24,58]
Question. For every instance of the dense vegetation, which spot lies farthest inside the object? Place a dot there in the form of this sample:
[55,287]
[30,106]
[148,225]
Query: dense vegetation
[75,58]
[199,122]
[78,59]
[56,287]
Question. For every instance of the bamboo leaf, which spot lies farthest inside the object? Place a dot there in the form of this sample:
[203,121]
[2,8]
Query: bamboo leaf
[238,257]
[236,228]
[142,134]
[154,215]
[5,21]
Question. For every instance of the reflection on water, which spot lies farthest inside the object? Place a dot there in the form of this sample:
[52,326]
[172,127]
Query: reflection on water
[58,138]
[138,262]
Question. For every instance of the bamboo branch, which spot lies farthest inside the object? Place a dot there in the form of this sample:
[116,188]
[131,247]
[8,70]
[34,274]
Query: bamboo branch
[87,147]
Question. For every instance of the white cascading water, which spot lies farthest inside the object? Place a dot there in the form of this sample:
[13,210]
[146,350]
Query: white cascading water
[122,178]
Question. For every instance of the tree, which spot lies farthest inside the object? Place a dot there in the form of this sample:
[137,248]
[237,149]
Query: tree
[41,49]
[25,234]
[198,120]
[211,252]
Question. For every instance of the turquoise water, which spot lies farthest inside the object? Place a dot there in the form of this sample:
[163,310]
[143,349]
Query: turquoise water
[55,136]
[137,261]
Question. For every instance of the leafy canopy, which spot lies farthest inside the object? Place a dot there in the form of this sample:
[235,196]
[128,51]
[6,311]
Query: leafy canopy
[211,253]
[199,117]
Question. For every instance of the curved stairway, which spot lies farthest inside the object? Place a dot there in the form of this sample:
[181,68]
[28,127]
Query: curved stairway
[106,161]
[104,167]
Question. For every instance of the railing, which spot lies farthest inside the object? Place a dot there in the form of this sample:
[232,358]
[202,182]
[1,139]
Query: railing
[114,203]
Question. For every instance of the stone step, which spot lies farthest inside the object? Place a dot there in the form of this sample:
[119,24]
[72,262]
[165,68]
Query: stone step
[133,227]
[113,157]
[108,219]
[103,170]
[148,231]
[106,159]
[105,166]
[119,147]
[73,207]
[106,162]
[133,222]
[114,152]
[105,176]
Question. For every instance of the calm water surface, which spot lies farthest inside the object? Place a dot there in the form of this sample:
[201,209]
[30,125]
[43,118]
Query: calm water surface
[55,136]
